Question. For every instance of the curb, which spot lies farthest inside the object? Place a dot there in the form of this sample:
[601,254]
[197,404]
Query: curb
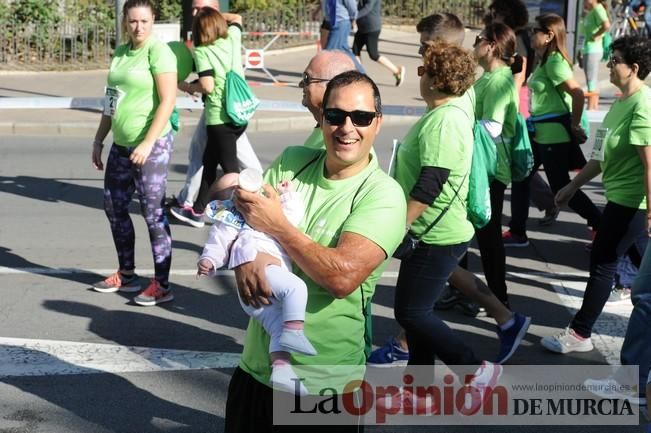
[81,129]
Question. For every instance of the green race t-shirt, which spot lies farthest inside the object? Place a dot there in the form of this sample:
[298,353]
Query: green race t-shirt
[590,25]
[628,124]
[131,94]
[546,97]
[496,100]
[315,139]
[218,57]
[334,326]
[443,138]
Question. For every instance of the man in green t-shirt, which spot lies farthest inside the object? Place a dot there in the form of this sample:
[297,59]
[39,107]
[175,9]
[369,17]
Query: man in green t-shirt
[354,220]
[319,71]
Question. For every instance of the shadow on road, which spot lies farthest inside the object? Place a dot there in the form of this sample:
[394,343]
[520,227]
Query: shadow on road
[123,407]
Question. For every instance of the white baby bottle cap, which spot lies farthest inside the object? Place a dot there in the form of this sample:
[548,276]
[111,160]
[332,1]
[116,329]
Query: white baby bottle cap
[250,180]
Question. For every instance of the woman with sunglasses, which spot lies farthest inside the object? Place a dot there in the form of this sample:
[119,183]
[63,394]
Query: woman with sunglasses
[432,167]
[217,39]
[556,109]
[622,155]
[496,108]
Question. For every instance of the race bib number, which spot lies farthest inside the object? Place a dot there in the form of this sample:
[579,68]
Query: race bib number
[599,142]
[112,97]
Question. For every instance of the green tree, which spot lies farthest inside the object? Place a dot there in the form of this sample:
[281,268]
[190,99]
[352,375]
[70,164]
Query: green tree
[35,11]
[169,10]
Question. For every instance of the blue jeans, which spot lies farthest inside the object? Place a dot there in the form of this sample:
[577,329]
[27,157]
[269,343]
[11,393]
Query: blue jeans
[421,280]
[622,231]
[647,13]
[338,40]
[636,349]
[626,272]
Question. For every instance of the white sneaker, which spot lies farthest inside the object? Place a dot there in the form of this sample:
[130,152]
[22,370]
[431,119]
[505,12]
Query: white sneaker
[484,381]
[609,388]
[567,341]
[619,295]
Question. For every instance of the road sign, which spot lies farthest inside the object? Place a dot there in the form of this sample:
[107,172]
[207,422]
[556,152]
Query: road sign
[254,59]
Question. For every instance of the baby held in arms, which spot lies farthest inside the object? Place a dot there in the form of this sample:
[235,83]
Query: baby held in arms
[232,242]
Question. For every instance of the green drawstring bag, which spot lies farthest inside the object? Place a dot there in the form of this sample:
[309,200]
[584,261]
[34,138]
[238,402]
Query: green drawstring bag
[241,103]
[482,173]
[606,42]
[175,120]
[521,153]
[239,100]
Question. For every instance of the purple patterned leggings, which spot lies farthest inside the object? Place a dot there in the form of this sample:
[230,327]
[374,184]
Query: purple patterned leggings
[121,180]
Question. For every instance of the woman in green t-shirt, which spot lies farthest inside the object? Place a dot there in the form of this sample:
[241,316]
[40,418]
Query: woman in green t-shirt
[217,39]
[622,155]
[432,167]
[140,97]
[556,109]
[593,26]
[495,109]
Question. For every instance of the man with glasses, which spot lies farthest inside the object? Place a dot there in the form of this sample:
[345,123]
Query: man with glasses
[319,71]
[337,250]
[245,154]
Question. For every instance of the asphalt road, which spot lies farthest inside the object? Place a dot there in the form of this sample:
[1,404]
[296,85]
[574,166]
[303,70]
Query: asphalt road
[55,241]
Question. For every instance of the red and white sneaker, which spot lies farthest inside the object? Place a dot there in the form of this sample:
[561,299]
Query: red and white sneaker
[483,383]
[117,282]
[154,294]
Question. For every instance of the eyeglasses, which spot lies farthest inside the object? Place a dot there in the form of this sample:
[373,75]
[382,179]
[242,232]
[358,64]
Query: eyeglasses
[337,117]
[421,71]
[307,80]
[535,30]
[613,60]
[479,39]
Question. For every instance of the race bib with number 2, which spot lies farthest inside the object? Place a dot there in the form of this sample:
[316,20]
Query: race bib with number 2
[112,98]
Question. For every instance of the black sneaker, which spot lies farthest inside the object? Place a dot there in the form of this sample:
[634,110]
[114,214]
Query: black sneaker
[468,307]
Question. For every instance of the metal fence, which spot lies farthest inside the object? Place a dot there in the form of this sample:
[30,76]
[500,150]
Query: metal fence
[77,45]
[470,12]
[65,45]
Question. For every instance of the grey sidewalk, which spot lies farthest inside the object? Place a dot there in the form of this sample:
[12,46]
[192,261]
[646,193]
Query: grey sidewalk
[287,66]
[398,45]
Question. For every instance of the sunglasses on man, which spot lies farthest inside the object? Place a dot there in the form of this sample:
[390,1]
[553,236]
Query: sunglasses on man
[337,117]
[308,79]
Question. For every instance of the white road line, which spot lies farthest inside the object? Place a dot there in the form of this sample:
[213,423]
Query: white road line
[29,357]
[4,270]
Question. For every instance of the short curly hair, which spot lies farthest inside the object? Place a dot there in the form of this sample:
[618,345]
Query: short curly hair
[635,49]
[451,67]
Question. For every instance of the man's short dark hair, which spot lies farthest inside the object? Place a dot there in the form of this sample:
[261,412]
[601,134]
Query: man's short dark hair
[635,49]
[444,26]
[350,77]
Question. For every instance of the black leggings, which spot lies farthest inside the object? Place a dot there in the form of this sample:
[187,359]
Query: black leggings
[556,159]
[221,150]
[370,40]
[622,231]
[491,247]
